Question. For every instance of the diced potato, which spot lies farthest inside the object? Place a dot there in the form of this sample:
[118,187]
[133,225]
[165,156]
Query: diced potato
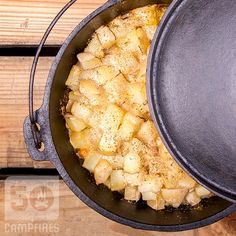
[110,124]
[115,88]
[73,79]
[137,93]
[150,31]
[129,126]
[116,161]
[137,146]
[94,47]
[135,41]
[88,87]
[157,204]
[132,163]
[187,182]
[81,111]
[192,198]
[108,143]
[91,161]
[127,63]
[174,197]
[106,37]
[131,193]
[112,118]
[117,180]
[147,15]
[102,171]
[202,192]
[74,123]
[150,184]
[122,25]
[148,196]
[88,61]
[80,139]
[101,75]
[148,133]
[108,183]
[133,179]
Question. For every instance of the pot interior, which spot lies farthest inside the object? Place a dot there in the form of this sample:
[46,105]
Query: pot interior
[108,200]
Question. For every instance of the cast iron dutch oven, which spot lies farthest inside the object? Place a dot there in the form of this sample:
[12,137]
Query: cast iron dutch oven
[53,133]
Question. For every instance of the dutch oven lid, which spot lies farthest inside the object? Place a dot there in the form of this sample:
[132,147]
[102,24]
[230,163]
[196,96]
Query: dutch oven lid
[192,89]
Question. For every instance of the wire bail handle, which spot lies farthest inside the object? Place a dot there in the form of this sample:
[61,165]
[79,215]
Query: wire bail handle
[33,119]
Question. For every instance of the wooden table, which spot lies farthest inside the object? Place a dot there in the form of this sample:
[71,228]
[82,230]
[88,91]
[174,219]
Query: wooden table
[22,23]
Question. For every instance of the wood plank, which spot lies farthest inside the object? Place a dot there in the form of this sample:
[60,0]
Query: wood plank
[225,227]
[25,21]
[14,77]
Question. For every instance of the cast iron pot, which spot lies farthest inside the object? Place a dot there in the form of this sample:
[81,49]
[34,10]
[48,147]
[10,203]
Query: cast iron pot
[58,150]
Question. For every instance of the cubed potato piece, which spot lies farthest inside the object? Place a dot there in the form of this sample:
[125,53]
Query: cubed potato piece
[110,123]
[95,47]
[149,196]
[133,179]
[187,182]
[192,198]
[150,31]
[108,183]
[116,89]
[74,123]
[157,204]
[81,111]
[129,126]
[147,133]
[150,184]
[91,161]
[88,60]
[102,171]
[117,180]
[112,118]
[101,75]
[202,192]
[108,143]
[131,193]
[137,93]
[73,79]
[106,37]
[88,87]
[147,15]
[135,41]
[122,25]
[132,163]
[174,197]
[137,146]
[127,63]
[80,139]
[117,161]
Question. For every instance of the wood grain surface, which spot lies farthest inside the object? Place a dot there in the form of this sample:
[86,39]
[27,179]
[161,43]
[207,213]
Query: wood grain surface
[14,77]
[25,21]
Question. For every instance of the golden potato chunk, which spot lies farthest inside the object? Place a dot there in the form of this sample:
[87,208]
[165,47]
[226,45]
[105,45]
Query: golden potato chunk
[73,79]
[131,193]
[102,171]
[106,37]
[95,47]
[174,197]
[88,60]
[117,180]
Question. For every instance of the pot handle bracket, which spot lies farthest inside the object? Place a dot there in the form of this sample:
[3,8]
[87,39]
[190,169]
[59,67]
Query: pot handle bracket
[33,126]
